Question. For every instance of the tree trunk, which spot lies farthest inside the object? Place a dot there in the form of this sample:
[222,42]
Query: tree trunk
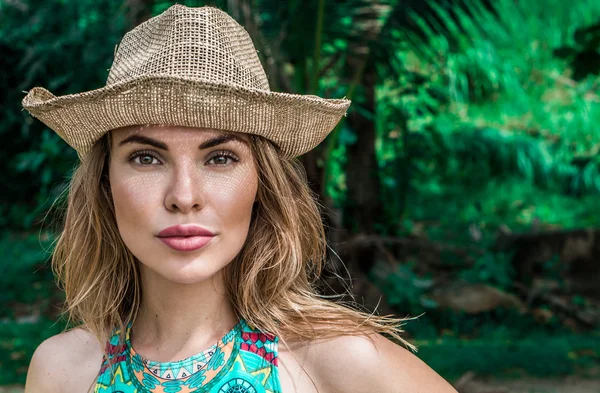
[362,208]
[362,181]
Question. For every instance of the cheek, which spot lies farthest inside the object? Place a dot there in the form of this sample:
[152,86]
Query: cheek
[232,196]
[134,198]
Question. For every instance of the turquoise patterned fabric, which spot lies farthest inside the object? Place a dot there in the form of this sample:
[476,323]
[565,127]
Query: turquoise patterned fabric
[245,360]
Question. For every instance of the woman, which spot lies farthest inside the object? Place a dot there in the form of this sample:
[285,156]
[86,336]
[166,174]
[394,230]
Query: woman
[191,242]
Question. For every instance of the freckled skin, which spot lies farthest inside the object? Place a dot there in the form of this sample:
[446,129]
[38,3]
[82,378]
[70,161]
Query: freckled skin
[183,185]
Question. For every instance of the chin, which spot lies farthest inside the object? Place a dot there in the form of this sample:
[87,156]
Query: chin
[184,269]
[188,279]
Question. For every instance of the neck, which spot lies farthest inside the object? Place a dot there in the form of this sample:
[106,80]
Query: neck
[178,320]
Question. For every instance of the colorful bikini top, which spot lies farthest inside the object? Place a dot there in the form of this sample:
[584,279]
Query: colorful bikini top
[243,361]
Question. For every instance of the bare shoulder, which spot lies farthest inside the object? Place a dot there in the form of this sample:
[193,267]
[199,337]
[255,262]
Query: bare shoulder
[67,362]
[362,363]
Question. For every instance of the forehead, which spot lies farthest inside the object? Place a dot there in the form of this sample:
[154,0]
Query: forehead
[173,133]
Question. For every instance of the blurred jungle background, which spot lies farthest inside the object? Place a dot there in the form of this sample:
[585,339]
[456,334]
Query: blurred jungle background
[463,186]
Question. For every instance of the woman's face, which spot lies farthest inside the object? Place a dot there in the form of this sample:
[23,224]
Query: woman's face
[189,179]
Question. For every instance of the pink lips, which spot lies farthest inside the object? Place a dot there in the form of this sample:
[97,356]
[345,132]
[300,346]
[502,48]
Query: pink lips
[185,237]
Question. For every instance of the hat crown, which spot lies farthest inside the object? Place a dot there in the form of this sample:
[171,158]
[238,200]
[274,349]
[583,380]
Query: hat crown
[203,43]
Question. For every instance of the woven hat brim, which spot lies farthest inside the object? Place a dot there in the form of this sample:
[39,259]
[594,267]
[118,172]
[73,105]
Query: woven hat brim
[296,123]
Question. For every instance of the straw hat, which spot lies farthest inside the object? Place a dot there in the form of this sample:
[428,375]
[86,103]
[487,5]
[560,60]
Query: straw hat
[194,67]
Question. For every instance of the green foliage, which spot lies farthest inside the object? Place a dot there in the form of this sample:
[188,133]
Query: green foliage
[484,124]
[26,282]
[76,55]
[18,341]
[485,108]
[494,269]
[404,288]
[30,300]
[505,357]
[584,56]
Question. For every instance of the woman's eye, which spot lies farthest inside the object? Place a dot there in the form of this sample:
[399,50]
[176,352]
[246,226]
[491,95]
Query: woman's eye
[223,158]
[143,159]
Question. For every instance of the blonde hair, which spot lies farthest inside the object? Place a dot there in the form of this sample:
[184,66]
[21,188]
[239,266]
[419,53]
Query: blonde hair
[272,282]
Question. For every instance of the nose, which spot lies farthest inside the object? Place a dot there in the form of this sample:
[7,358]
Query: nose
[185,192]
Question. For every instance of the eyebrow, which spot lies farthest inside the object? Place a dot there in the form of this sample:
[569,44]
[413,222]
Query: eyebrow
[145,140]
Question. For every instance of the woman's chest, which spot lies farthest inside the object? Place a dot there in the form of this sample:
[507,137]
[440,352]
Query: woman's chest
[290,376]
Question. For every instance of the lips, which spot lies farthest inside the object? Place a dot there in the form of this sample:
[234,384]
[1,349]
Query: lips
[185,237]
[185,230]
